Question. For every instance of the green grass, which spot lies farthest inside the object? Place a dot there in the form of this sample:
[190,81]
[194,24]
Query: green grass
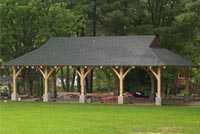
[54,118]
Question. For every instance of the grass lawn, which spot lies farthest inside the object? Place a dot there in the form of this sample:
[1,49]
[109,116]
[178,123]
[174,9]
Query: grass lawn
[54,118]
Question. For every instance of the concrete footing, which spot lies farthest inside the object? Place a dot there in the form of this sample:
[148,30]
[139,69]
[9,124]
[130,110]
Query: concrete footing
[82,98]
[120,99]
[158,101]
[14,97]
[46,97]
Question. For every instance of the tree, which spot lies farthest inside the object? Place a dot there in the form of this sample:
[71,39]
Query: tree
[26,25]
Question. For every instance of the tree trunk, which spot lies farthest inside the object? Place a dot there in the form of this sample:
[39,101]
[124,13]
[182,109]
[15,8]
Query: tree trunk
[27,82]
[78,82]
[166,88]
[73,80]
[25,79]
[38,83]
[91,81]
[87,84]
[30,81]
[108,78]
[156,9]
[54,90]
[176,84]
[67,82]
[62,80]
[30,85]
[116,83]
[41,85]
[94,19]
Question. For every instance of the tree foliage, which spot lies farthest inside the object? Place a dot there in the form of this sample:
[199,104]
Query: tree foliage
[26,25]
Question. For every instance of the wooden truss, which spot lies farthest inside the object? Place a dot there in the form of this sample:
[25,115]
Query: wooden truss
[121,74]
[46,72]
[83,72]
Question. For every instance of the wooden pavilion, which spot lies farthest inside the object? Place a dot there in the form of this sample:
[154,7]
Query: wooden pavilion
[120,53]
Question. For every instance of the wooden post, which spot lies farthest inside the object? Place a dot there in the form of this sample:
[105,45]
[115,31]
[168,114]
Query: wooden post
[46,75]
[14,80]
[82,80]
[121,75]
[14,95]
[158,99]
[159,82]
[121,81]
[45,80]
[83,75]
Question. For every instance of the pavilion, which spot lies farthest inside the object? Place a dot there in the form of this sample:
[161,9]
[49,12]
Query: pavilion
[120,53]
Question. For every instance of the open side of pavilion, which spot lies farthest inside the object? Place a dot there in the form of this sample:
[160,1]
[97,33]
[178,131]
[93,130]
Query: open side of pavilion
[120,53]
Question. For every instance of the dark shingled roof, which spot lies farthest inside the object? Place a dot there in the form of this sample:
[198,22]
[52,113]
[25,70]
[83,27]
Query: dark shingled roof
[100,51]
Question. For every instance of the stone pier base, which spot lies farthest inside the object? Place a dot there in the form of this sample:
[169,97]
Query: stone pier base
[82,98]
[46,97]
[158,101]
[120,99]
[14,97]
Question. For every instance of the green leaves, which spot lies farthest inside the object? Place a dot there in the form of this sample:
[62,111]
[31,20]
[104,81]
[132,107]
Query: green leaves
[26,25]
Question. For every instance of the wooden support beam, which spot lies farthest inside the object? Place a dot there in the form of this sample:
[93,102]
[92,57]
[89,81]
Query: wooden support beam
[14,80]
[159,82]
[16,71]
[88,71]
[158,77]
[115,71]
[154,73]
[41,71]
[46,74]
[45,80]
[15,74]
[83,74]
[126,72]
[121,78]
[121,75]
